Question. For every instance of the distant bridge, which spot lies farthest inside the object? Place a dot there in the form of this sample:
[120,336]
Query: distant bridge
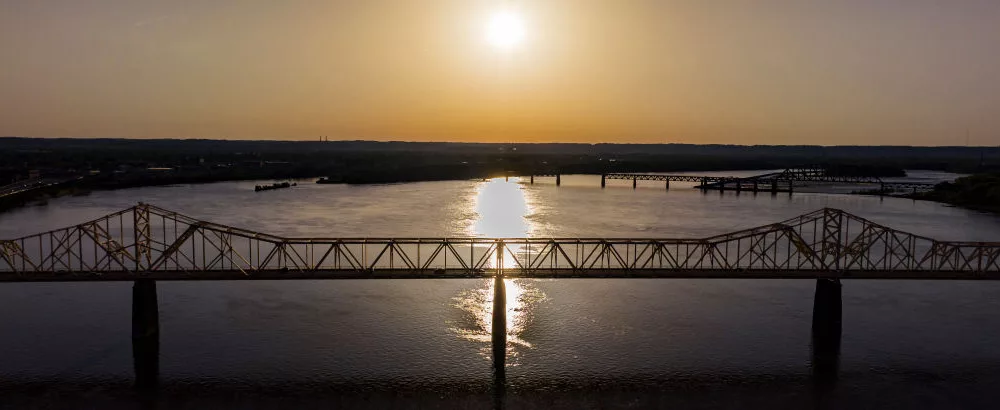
[21,187]
[774,182]
[146,241]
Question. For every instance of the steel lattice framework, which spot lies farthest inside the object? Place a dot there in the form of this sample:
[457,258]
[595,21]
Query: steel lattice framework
[145,241]
[672,178]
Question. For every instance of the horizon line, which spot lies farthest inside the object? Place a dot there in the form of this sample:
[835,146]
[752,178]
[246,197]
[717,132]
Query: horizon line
[181,139]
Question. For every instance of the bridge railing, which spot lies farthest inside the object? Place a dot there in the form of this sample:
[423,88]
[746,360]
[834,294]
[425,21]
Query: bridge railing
[146,239]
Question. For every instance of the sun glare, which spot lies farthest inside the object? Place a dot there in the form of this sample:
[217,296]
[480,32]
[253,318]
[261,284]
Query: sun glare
[505,30]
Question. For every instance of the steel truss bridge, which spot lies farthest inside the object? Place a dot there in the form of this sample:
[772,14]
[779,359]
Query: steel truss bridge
[148,242]
[774,179]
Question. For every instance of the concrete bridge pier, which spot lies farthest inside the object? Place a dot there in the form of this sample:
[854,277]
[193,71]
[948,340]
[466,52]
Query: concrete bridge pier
[145,334]
[634,182]
[722,185]
[739,185]
[604,178]
[826,329]
[506,178]
[668,185]
[499,330]
[774,187]
[532,179]
[755,187]
[791,187]
[558,179]
[704,185]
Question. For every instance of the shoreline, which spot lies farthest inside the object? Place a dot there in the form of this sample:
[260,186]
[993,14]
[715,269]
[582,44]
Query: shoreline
[979,192]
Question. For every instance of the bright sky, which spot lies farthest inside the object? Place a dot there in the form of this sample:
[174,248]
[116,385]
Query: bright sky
[913,72]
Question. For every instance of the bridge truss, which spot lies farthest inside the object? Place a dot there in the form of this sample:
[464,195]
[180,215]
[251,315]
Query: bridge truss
[146,241]
[783,177]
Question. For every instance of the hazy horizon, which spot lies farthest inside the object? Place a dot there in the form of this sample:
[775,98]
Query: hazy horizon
[773,72]
[295,139]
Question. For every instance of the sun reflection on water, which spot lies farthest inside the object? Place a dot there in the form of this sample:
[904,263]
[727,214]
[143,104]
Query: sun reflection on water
[478,303]
[502,209]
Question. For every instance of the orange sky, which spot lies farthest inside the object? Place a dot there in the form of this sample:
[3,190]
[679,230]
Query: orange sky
[900,72]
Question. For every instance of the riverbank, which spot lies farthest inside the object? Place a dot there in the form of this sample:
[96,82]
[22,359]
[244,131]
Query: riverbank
[86,185]
[124,163]
[979,192]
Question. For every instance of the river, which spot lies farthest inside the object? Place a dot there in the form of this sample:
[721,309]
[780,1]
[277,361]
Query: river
[573,343]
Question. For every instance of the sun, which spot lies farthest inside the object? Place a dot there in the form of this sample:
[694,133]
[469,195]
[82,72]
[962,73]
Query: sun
[505,30]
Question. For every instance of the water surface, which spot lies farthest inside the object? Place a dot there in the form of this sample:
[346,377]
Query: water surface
[572,343]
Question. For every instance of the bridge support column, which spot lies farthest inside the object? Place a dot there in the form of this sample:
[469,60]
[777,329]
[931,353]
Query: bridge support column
[506,178]
[668,185]
[532,179]
[739,185]
[826,329]
[499,330]
[704,185]
[774,187]
[881,189]
[755,188]
[604,178]
[722,185]
[634,182]
[558,179]
[145,334]
[791,187]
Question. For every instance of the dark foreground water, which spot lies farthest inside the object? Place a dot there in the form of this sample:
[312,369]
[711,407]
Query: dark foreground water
[573,343]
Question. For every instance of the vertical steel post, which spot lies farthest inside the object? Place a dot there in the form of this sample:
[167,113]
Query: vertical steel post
[141,236]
